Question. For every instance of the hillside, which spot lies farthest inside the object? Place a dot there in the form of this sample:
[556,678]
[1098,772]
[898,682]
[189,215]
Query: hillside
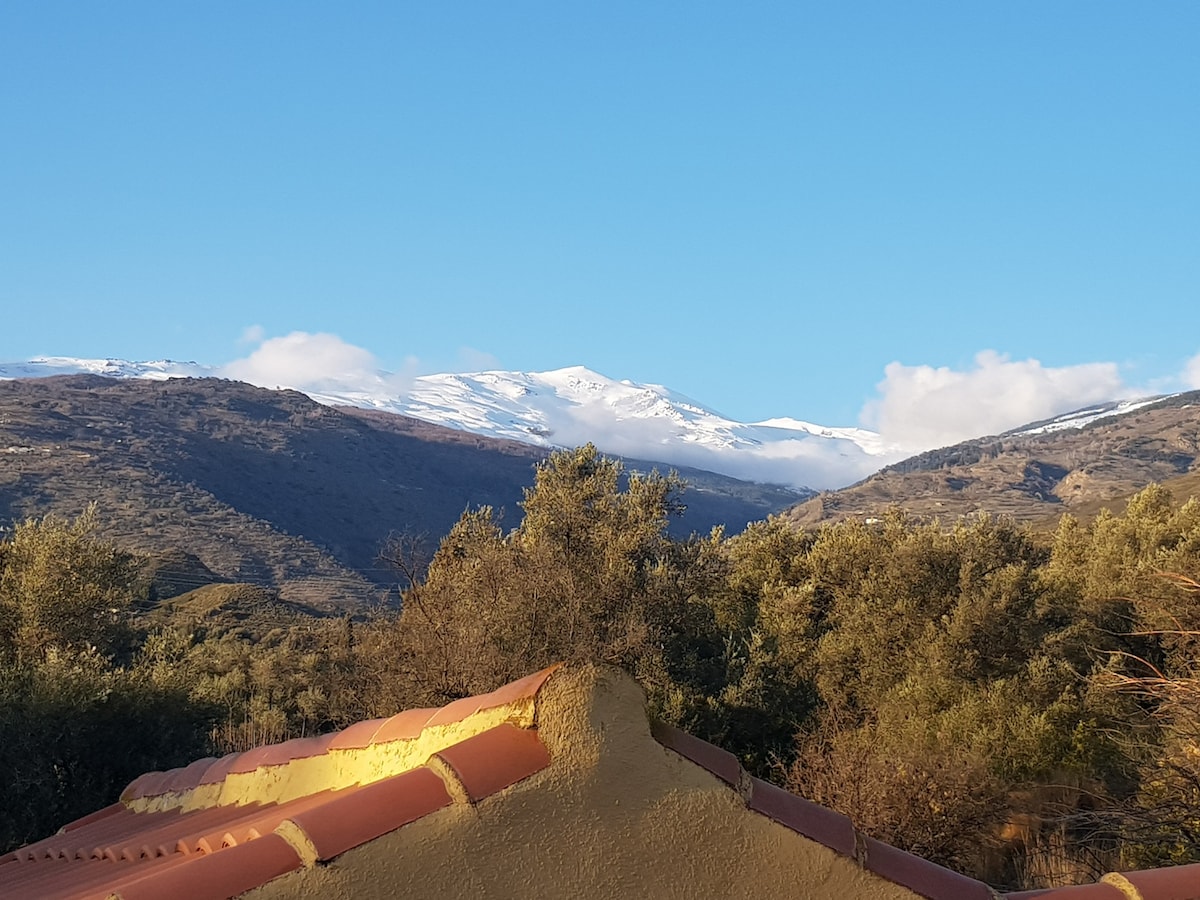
[1033,476]
[219,478]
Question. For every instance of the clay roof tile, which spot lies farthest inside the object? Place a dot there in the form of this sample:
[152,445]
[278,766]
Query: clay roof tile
[522,689]
[1097,891]
[99,814]
[189,776]
[149,785]
[454,712]
[219,769]
[402,726]
[253,758]
[226,874]
[804,817]
[356,736]
[296,748]
[719,762]
[496,758]
[1170,883]
[371,810]
[922,876]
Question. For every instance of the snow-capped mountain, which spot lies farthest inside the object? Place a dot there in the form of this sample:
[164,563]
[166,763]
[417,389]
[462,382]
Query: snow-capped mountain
[568,407]
[159,370]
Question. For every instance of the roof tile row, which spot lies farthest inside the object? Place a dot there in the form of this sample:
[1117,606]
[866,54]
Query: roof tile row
[1097,891]
[150,854]
[220,851]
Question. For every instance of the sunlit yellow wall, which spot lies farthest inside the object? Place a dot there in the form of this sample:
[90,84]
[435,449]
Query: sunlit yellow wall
[337,769]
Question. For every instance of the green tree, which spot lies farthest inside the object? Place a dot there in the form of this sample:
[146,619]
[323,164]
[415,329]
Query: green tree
[743,669]
[80,716]
[580,577]
[62,589]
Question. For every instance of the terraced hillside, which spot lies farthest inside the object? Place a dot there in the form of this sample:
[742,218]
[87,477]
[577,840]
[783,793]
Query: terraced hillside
[1033,477]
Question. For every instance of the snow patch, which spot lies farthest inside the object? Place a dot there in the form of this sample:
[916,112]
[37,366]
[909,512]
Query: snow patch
[1082,417]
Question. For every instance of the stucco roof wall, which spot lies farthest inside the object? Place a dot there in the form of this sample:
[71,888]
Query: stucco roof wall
[615,814]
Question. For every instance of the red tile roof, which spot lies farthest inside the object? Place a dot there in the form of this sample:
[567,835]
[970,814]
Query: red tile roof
[225,849]
[187,833]
[354,818]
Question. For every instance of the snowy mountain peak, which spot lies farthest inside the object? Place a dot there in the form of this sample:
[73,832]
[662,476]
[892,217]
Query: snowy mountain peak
[562,408]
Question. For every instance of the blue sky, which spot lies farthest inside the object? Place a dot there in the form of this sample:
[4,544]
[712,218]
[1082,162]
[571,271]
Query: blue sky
[839,212]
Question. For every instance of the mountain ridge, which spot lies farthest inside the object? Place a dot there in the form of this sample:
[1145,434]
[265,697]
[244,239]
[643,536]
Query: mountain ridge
[564,408]
[575,405]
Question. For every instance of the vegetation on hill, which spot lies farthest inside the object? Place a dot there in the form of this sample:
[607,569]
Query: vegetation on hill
[1024,707]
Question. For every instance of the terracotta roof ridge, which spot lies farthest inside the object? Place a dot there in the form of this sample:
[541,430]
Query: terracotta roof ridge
[1165,883]
[838,832]
[359,754]
[823,825]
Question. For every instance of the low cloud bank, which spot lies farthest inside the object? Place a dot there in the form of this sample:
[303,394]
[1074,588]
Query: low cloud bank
[916,408]
[1191,373]
[920,407]
[804,462]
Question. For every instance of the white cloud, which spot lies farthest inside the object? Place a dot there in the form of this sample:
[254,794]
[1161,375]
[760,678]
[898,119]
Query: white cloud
[920,407]
[802,463]
[314,363]
[1191,373]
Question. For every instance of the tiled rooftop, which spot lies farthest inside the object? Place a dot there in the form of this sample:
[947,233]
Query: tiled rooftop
[221,827]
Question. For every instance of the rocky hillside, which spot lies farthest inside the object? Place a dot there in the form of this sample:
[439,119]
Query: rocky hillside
[224,481]
[1034,477]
